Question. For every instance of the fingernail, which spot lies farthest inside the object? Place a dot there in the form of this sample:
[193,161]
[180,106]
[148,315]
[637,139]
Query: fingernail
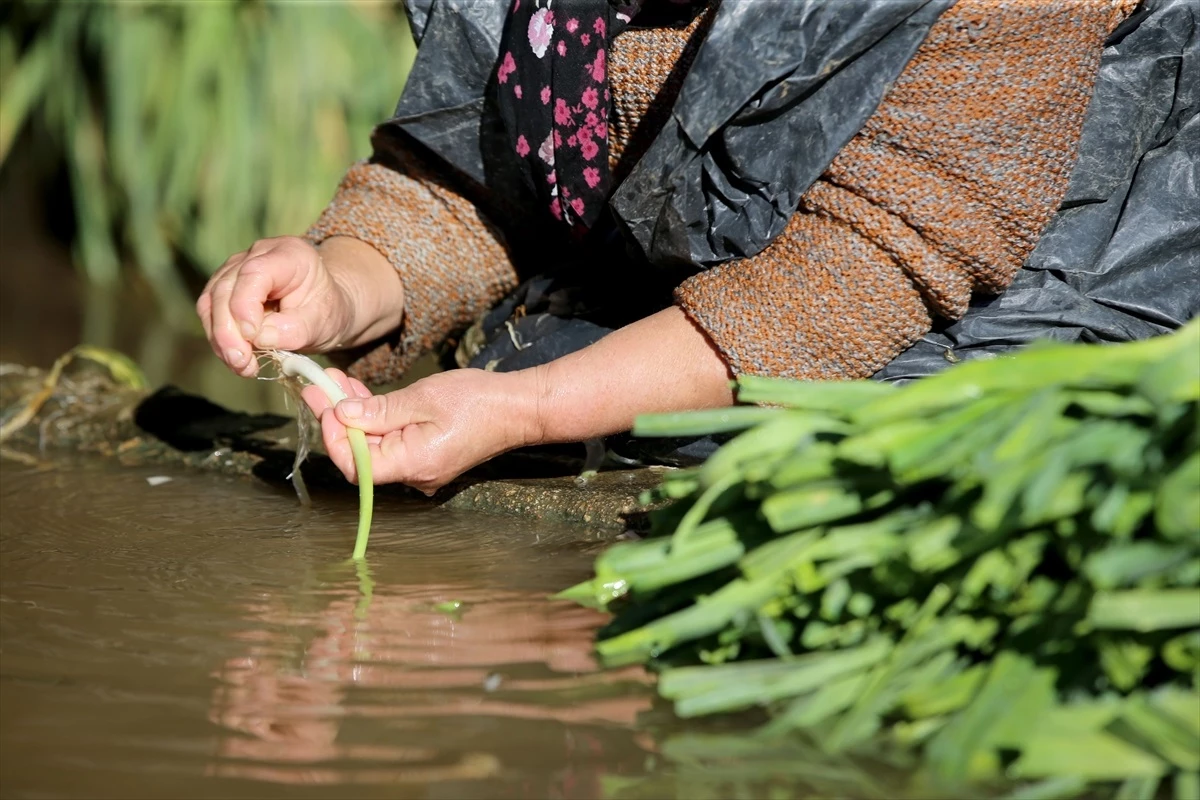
[267,337]
[351,408]
[235,357]
[247,330]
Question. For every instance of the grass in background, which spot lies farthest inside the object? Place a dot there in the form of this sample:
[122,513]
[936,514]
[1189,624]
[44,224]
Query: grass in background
[190,129]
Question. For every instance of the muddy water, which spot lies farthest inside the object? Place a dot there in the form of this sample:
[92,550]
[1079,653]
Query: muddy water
[205,638]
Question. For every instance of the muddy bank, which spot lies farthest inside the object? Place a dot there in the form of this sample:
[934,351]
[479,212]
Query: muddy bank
[88,411]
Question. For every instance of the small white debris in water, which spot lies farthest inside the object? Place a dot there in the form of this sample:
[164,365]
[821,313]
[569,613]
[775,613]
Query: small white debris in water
[492,682]
[158,480]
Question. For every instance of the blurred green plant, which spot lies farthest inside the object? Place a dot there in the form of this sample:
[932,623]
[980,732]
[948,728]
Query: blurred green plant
[193,128]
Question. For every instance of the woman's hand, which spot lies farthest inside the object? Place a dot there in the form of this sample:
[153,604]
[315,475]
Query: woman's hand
[428,433]
[285,294]
[432,431]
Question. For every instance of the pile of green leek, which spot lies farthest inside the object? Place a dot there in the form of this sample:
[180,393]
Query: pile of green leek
[997,568]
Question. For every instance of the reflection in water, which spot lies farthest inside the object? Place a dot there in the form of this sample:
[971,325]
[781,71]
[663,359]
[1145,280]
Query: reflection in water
[511,655]
[203,637]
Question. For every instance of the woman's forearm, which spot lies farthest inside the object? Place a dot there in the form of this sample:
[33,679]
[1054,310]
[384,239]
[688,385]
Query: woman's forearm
[431,431]
[661,363]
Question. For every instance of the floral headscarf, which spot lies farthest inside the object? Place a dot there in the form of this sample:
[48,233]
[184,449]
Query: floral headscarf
[553,95]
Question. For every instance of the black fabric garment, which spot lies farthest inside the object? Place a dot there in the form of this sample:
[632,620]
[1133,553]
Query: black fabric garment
[552,93]
[777,89]
[803,75]
[1121,258]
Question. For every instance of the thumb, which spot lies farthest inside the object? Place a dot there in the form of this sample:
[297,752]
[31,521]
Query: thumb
[380,414]
[287,330]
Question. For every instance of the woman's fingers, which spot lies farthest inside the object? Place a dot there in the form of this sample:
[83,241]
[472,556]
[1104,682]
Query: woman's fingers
[428,433]
[204,304]
[227,340]
[234,307]
[256,283]
[382,413]
[316,400]
[392,458]
[402,457]
[289,330]
[204,312]
[337,445]
[278,270]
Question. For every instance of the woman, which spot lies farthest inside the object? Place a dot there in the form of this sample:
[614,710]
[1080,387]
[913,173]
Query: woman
[690,191]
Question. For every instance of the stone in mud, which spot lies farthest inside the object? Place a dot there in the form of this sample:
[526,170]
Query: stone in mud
[89,413]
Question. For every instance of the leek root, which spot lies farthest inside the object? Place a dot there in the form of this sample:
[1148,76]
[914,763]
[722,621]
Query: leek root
[293,365]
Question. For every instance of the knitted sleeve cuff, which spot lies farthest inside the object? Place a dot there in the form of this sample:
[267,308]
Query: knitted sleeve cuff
[820,303]
[453,263]
[944,193]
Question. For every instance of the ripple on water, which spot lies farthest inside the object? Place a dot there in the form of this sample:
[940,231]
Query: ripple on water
[208,636]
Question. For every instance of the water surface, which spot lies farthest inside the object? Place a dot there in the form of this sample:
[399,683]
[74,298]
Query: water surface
[205,637]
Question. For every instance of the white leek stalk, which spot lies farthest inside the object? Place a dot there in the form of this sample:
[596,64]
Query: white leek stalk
[295,365]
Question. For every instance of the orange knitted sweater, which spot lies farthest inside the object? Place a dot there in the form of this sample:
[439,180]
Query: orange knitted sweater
[942,194]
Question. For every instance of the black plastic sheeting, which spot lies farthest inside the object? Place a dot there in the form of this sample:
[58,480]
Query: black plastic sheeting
[444,100]
[801,75]
[1121,259]
[779,86]
[777,89]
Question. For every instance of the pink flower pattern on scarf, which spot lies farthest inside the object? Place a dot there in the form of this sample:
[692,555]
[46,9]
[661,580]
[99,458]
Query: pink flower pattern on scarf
[569,168]
[540,30]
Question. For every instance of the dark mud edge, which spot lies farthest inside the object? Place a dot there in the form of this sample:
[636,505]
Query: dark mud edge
[88,413]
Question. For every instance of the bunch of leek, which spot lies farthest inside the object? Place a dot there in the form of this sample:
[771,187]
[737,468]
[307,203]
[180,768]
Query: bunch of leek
[998,566]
